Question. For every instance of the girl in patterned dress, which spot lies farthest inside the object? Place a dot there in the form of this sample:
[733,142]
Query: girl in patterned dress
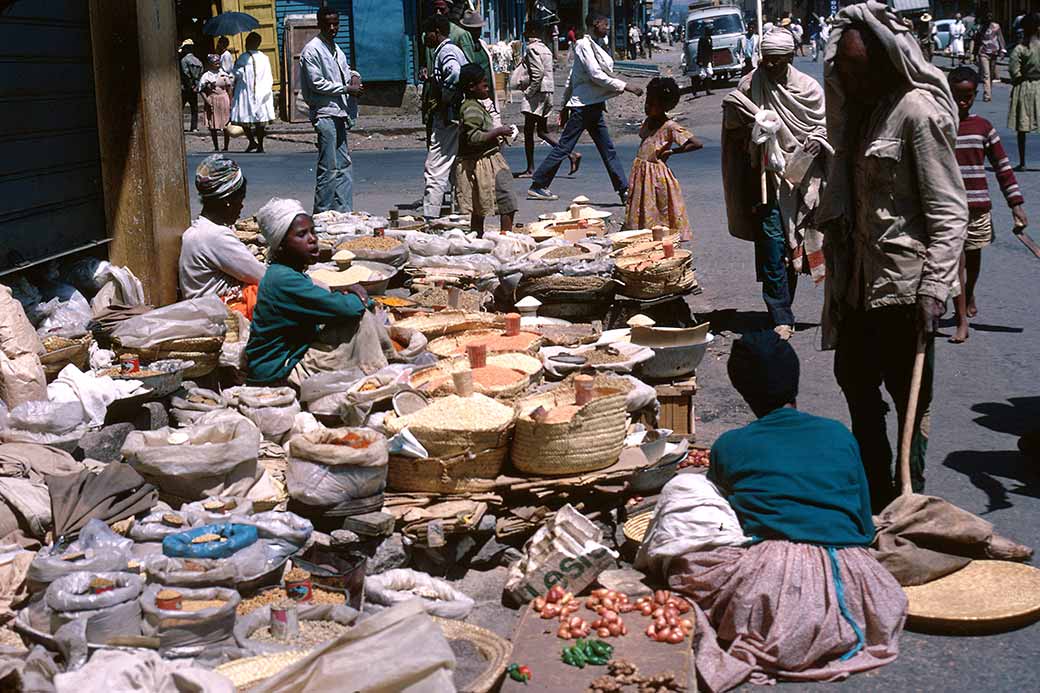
[655,197]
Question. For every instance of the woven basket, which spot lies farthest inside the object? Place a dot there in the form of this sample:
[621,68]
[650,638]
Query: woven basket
[453,345]
[449,443]
[636,526]
[638,242]
[204,351]
[62,351]
[436,380]
[578,299]
[590,441]
[465,473]
[451,321]
[246,673]
[651,275]
[493,648]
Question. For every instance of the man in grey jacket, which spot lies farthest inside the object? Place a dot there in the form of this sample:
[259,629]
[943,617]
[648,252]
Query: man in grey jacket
[330,88]
[895,217]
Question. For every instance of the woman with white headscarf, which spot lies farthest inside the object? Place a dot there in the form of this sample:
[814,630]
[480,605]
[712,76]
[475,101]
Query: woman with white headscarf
[290,308]
[213,261]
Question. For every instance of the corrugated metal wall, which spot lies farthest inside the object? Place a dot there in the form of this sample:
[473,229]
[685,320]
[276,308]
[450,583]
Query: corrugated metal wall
[344,40]
[50,168]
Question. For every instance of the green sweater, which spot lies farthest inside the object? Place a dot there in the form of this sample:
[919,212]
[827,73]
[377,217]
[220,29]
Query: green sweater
[290,310]
[475,123]
[794,476]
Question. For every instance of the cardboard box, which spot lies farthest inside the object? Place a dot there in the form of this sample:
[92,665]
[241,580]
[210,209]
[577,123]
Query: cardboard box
[677,408]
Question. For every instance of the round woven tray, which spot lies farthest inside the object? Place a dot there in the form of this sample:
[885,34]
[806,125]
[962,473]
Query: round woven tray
[982,597]
[247,672]
[495,649]
[636,526]
[455,345]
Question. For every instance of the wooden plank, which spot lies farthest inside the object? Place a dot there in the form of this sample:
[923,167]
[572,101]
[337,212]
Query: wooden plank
[536,645]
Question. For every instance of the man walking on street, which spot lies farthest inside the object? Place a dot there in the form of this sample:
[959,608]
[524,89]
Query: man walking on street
[330,88]
[590,84]
[442,116]
[895,216]
[770,201]
[191,72]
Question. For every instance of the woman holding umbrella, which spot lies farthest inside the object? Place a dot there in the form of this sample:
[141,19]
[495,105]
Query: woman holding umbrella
[252,105]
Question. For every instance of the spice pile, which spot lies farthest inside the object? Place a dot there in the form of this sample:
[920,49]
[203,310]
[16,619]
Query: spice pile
[437,297]
[622,673]
[563,251]
[276,594]
[454,413]
[311,633]
[369,243]
[351,440]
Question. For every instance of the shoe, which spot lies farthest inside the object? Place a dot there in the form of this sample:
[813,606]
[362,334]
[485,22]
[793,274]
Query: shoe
[784,331]
[541,194]
[1003,549]
[624,198]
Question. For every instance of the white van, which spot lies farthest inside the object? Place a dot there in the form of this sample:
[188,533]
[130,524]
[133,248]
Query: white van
[726,23]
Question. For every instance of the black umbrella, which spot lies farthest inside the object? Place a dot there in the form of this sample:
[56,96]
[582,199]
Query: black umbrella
[230,23]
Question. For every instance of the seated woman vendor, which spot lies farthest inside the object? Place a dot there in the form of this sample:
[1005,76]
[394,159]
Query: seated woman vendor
[213,260]
[290,307]
[772,544]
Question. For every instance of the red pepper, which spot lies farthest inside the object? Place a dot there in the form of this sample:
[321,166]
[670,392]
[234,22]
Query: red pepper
[526,673]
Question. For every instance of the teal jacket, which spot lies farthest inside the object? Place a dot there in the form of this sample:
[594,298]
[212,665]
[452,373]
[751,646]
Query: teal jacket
[794,476]
[290,310]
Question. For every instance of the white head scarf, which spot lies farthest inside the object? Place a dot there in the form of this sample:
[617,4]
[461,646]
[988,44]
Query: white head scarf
[274,219]
[778,42]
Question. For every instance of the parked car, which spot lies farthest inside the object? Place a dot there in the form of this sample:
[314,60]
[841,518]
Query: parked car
[726,24]
[941,35]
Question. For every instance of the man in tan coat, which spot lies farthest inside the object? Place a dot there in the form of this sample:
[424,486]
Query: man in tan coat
[894,215]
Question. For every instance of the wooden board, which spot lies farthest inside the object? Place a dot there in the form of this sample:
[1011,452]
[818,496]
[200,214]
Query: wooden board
[536,645]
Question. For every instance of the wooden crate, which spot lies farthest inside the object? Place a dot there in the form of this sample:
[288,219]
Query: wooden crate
[677,408]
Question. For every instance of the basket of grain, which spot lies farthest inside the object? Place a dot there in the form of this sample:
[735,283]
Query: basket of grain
[203,352]
[651,274]
[629,241]
[496,341]
[579,299]
[467,439]
[248,672]
[61,351]
[451,321]
[389,251]
[206,617]
[575,427]
[503,375]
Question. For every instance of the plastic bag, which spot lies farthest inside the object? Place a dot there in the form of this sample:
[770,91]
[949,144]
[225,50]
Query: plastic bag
[234,509]
[764,133]
[395,257]
[324,393]
[152,528]
[201,460]
[17,335]
[86,274]
[65,318]
[103,549]
[425,244]
[233,354]
[402,584]
[286,527]
[260,618]
[272,409]
[347,447]
[414,343]
[641,396]
[188,633]
[107,615]
[322,485]
[197,317]
[190,572]
[29,296]
[43,416]
[193,403]
[235,538]
[140,670]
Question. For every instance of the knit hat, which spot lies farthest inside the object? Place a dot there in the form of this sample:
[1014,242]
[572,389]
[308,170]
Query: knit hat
[217,177]
[275,218]
[764,369]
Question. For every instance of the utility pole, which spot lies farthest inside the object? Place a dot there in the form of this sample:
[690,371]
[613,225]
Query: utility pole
[584,14]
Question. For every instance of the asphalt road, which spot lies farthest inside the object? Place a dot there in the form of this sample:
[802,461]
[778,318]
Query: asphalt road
[987,390]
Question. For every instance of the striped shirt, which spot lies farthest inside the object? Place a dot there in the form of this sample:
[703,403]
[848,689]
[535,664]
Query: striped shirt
[977,141]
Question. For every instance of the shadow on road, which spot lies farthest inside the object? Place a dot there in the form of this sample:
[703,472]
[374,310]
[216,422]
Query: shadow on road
[744,321]
[1016,417]
[984,467]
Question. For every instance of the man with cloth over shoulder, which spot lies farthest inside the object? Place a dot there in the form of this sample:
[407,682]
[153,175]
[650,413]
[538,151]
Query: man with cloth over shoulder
[330,88]
[895,217]
[773,201]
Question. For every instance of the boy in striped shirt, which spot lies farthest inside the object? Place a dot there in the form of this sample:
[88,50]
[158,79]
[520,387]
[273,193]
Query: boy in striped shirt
[976,142]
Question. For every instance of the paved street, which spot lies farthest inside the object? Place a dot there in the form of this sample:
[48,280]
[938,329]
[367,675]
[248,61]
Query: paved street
[987,391]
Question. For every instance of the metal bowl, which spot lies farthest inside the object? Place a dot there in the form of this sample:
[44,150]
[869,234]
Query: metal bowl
[675,361]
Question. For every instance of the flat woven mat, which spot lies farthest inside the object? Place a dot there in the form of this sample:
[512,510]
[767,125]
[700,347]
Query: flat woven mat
[984,596]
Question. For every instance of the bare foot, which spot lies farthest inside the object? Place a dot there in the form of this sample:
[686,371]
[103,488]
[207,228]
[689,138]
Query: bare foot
[524,174]
[961,335]
[575,163]
[971,310]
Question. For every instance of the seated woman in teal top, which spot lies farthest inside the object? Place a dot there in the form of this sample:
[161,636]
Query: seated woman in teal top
[290,307]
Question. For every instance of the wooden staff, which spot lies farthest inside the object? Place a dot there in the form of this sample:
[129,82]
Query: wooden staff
[910,419]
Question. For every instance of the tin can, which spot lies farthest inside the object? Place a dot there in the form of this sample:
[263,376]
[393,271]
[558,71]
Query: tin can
[285,620]
[129,363]
[379,231]
[299,590]
[169,600]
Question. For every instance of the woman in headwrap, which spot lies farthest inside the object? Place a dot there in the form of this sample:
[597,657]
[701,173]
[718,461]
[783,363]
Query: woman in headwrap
[213,260]
[290,307]
[791,592]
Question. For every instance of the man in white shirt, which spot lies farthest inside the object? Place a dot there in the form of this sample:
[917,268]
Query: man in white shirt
[227,59]
[633,42]
[589,85]
[329,87]
[444,99]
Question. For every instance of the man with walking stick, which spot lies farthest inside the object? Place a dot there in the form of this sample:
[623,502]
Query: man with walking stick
[894,215]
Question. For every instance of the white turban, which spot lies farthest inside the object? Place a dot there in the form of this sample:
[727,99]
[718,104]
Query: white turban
[274,219]
[778,42]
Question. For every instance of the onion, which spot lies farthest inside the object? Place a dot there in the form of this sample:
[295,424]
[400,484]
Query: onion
[609,603]
[614,629]
[673,621]
[564,632]
[646,610]
[566,597]
[651,632]
[600,593]
[660,596]
[676,637]
[686,624]
[663,634]
[624,629]
[603,633]
[610,616]
[575,622]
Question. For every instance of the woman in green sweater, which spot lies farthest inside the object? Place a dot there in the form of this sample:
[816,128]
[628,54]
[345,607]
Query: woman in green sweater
[290,307]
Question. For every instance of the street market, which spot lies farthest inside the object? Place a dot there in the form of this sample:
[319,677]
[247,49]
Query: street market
[344,446]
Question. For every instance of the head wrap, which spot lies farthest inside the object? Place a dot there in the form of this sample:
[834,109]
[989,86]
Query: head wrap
[274,219]
[217,177]
[778,42]
[764,369]
[213,59]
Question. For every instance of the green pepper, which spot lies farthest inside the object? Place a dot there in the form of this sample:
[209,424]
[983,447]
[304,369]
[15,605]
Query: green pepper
[519,673]
[600,648]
